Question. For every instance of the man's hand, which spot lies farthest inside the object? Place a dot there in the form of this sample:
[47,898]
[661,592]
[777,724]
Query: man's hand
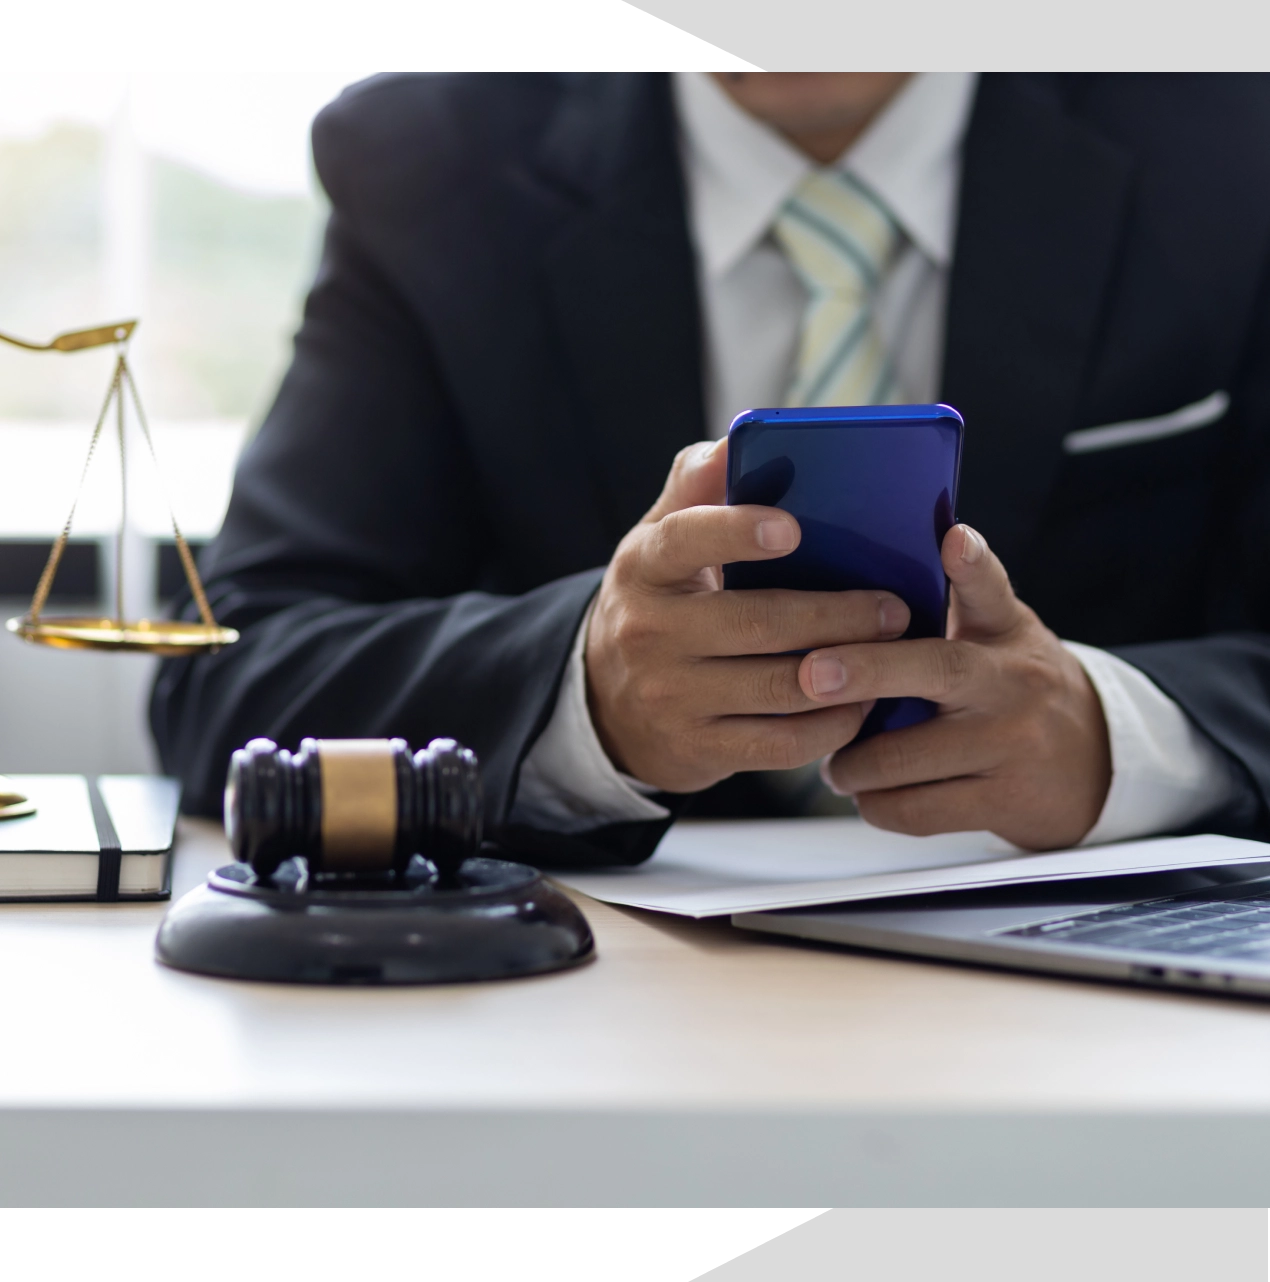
[1020,744]
[683,677]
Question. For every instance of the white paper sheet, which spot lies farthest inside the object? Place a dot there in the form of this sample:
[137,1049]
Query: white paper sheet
[710,869]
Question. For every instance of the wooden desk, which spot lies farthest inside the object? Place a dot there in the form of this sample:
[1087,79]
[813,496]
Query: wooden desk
[690,1064]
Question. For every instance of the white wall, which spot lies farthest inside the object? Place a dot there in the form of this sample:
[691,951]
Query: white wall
[76,711]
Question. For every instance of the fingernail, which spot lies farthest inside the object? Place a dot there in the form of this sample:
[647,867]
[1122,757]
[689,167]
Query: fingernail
[892,616]
[972,546]
[828,676]
[775,535]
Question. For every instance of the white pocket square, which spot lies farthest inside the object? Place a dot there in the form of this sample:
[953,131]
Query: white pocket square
[1113,435]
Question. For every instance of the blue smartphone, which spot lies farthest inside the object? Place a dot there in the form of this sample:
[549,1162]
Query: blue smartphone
[874,488]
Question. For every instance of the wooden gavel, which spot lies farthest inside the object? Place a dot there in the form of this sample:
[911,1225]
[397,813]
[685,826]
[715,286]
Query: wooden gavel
[359,806]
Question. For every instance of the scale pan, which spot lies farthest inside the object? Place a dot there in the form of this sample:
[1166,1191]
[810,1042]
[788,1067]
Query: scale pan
[148,636]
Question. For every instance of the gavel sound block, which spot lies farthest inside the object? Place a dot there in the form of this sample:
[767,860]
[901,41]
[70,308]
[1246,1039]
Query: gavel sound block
[360,862]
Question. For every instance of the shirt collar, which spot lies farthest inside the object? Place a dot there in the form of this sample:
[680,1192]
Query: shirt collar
[740,171]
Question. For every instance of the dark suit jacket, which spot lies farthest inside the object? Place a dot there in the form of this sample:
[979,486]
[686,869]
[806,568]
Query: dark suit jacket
[502,353]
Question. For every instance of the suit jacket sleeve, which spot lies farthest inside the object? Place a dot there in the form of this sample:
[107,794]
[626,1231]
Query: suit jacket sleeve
[351,559]
[1222,679]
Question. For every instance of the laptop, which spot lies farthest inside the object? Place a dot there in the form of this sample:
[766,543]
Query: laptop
[1207,929]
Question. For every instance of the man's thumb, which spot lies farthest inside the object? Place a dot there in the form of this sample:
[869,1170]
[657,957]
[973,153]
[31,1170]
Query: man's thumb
[983,602]
[697,477]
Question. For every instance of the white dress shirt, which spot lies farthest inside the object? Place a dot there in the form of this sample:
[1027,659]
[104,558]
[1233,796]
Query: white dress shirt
[738,173]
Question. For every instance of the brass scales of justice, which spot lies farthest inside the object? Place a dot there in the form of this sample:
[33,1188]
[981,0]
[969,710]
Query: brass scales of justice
[151,636]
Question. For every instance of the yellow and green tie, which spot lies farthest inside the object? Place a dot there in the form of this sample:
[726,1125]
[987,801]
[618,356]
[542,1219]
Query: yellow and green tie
[841,240]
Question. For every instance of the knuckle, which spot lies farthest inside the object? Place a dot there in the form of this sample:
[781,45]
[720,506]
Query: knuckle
[1038,677]
[777,748]
[751,622]
[771,689]
[668,537]
[950,666]
[864,616]
[865,673]
[656,691]
[683,460]
[634,625]
[906,811]
[895,756]
[697,747]
[785,750]
[869,669]
[877,810]
[624,567]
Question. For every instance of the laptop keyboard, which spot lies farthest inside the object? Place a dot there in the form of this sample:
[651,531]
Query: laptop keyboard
[1238,929]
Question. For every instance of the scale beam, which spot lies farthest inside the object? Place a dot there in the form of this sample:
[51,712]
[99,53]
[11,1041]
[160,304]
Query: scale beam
[78,340]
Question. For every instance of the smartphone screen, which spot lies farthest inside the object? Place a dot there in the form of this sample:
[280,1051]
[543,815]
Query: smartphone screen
[874,489]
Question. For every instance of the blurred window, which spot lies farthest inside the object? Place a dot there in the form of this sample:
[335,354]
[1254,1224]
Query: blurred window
[187,201]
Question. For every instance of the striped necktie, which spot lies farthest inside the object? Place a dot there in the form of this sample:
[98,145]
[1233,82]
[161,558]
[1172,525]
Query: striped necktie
[840,239]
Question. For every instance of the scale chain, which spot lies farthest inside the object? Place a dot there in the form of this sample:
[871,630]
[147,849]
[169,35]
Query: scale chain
[182,547]
[122,375]
[123,492]
[45,584]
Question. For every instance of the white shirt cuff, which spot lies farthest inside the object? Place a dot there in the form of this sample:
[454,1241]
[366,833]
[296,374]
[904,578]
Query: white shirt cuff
[1165,774]
[567,783]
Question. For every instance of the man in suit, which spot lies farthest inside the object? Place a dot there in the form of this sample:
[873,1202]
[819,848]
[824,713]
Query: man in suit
[537,291]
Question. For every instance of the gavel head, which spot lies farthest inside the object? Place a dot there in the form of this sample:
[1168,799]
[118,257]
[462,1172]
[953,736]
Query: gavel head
[361,806]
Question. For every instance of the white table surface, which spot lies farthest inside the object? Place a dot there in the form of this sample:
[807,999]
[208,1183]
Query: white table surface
[690,1064]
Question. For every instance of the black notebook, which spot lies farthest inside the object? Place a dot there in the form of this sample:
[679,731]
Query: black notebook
[103,838]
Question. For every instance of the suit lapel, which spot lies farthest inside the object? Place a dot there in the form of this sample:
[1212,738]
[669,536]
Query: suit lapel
[620,280]
[1043,203]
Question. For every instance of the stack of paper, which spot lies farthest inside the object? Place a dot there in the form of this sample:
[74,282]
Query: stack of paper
[711,869]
